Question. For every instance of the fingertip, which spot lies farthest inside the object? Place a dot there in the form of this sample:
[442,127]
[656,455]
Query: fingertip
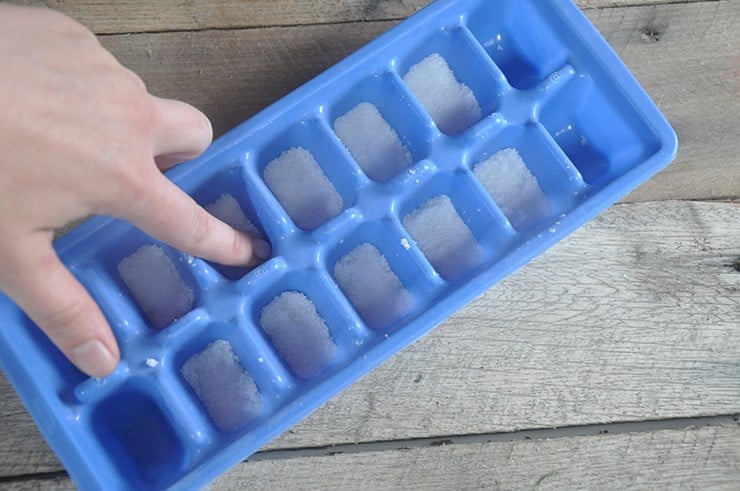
[261,251]
[94,358]
[63,309]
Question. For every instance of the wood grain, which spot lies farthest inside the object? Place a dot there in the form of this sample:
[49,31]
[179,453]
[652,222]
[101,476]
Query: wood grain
[692,72]
[694,458]
[688,59]
[691,458]
[633,317]
[128,16]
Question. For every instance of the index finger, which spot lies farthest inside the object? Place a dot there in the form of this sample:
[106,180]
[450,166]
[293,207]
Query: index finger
[165,212]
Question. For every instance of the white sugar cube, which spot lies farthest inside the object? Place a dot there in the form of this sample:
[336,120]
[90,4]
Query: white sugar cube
[450,103]
[373,288]
[302,188]
[156,285]
[228,393]
[299,333]
[443,237]
[226,208]
[372,142]
[512,186]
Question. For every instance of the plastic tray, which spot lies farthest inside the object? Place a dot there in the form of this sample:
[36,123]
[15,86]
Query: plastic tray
[547,84]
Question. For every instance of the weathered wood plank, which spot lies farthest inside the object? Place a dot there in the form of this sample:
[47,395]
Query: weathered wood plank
[691,458]
[688,59]
[692,72]
[128,16]
[633,317]
[694,458]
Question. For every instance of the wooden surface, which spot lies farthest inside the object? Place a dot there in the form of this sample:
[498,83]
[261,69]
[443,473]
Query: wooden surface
[631,326]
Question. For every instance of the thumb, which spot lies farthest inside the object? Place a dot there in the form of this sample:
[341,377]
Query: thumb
[58,304]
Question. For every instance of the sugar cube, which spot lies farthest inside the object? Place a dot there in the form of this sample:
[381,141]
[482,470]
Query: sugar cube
[226,208]
[156,285]
[512,186]
[450,103]
[228,393]
[373,288]
[302,188]
[443,237]
[299,333]
[372,142]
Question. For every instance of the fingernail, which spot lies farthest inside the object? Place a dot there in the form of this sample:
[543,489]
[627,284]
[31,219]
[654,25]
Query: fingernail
[261,249]
[93,358]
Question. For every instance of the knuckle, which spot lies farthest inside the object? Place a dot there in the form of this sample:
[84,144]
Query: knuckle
[135,79]
[61,320]
[201,227]
[237,245]
[69,26]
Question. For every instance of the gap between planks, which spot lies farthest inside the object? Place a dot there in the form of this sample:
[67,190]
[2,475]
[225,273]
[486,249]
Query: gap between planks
[644,426]
[597,436]
[691,72]
[136,16]
[543,353]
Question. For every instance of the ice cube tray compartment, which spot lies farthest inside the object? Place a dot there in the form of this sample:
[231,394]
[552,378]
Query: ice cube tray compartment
[601,133]
[305,159]
[232,183]
[525,60]
[489,234]
[558,180]
[453,49]
[136,432]
[384,91]
[557,111]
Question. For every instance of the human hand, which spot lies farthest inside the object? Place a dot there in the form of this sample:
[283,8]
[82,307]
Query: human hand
[81,135]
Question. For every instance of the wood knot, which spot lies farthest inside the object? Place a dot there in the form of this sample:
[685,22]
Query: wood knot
[651,35]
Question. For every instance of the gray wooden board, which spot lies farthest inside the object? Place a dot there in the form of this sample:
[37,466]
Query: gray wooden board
[692,72]
[691,458]
[635,316]
[106,17]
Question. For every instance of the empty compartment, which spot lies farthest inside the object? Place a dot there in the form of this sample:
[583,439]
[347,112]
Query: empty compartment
[225,196]
[453,227]
[156,284]
[217,377]
[137,432]
[308,174]
[526,176]
[519,39]
[598,129]
[453,84]
[382,139]
[299,333]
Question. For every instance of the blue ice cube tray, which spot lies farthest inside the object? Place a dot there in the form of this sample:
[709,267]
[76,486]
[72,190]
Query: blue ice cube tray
[548,85]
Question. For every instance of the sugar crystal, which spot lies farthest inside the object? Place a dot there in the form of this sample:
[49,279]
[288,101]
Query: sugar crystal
[512,186]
